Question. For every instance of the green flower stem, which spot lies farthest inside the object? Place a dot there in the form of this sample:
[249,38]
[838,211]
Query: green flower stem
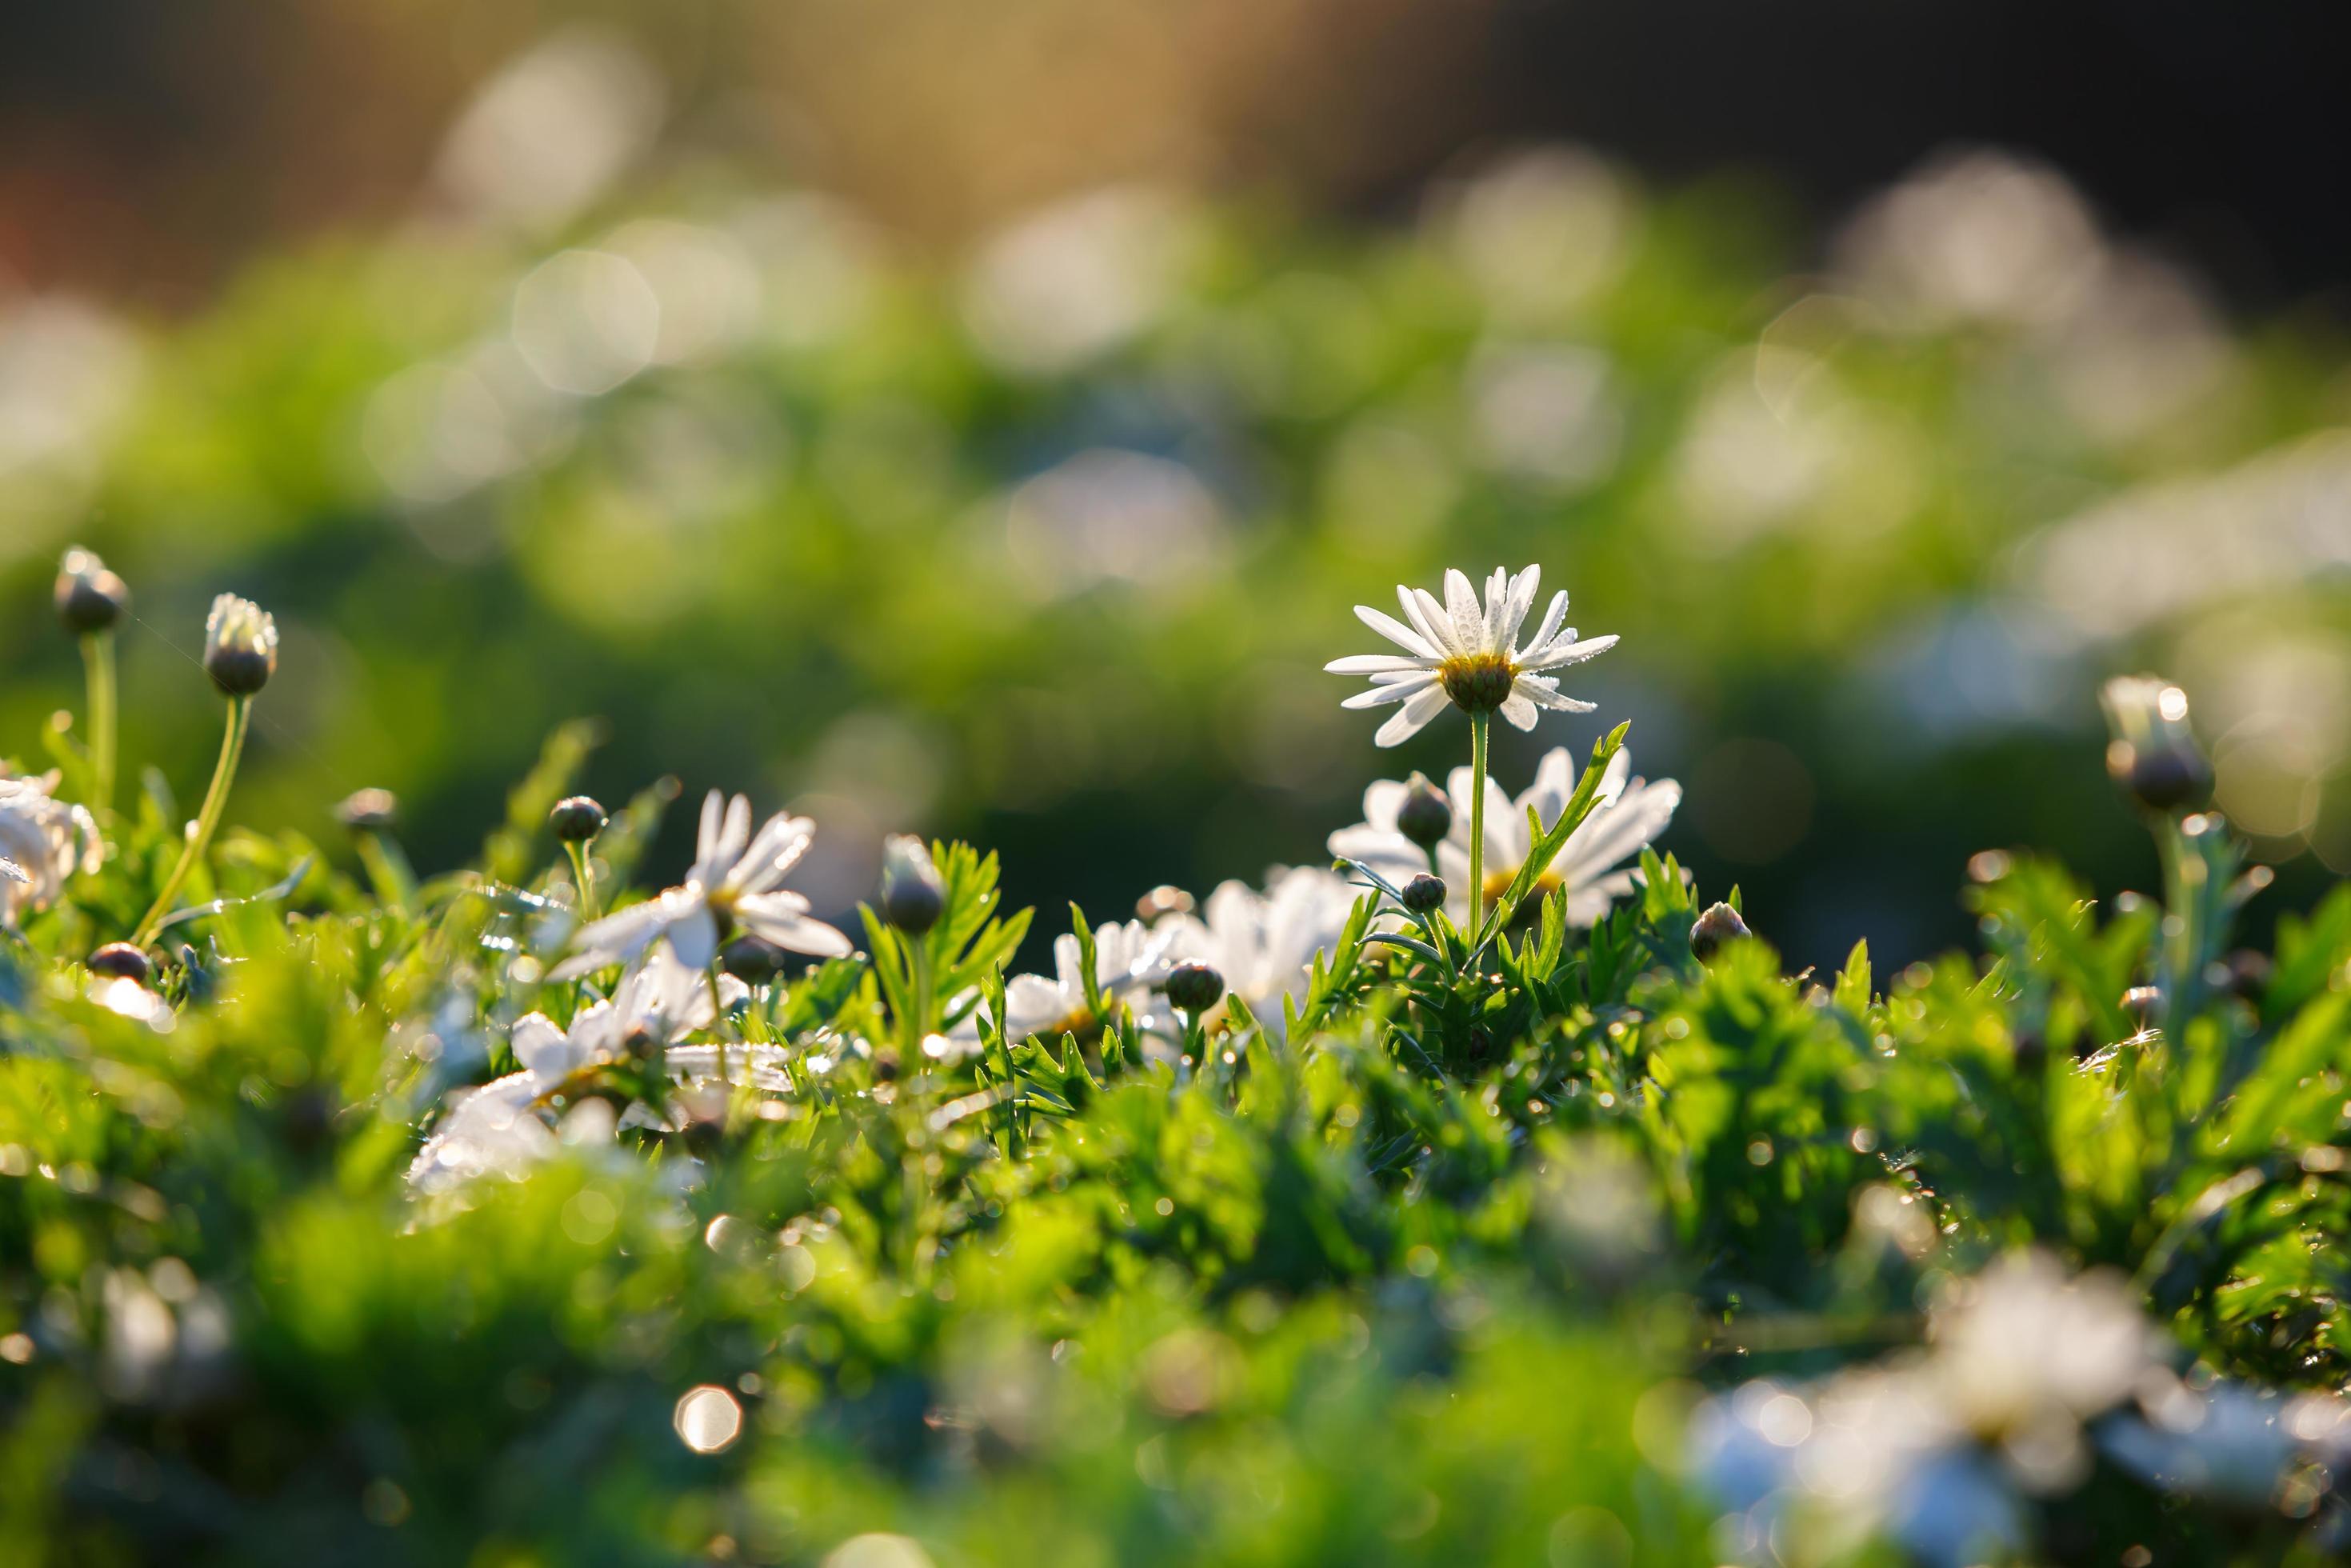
[585,876]
[919,949]
[98,671]
[240,718]
[1478,722]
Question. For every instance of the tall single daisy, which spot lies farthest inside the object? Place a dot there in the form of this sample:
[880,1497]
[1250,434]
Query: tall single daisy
[1264,943]
[1470,655]
[1130,957]
[734,884]
[1628,813]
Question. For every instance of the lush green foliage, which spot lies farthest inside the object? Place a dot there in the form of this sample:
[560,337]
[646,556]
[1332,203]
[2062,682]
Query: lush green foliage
[1433,1269]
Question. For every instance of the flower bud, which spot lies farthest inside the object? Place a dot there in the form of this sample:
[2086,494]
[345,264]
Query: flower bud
[89,597]
[240,646]
[754,960]
[2162,779]
[1426,816]
[2154,755]
[913,898]
[1717,926]
[576,818]
[367,810]
[1424,893]
[1162,902]
[123,961]
[1193,988]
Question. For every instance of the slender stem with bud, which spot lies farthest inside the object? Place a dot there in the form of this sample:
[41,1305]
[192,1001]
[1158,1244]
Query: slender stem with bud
[240,717]
[583,873]
[919,948]
[1478,722]
[98,671]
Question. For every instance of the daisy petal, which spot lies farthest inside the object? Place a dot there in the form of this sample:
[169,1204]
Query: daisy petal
[1380,697]
[1522,600]
[1420,608]
[1568,650]
[1425,705]
[1372,664]
[1469,621]
[1552,619]
[781,918]
[1520,713]
[1396,632]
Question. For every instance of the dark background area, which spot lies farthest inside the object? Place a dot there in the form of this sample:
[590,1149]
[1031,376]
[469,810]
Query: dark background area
[148,144]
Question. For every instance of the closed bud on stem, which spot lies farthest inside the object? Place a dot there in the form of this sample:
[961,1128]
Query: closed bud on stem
[367,810]
[121,961]
[1424,893]
[240,646]
[89,597]
[754,960]
[1426,816]
[2154,754]
[577,819]
[1195,988]
[912,897]
[1710,931]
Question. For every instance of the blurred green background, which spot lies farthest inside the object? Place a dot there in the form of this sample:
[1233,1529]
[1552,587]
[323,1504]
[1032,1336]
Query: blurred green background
[986,425]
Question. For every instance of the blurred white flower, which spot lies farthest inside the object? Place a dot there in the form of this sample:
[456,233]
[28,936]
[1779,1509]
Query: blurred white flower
[2022,1350]
[2273,523]
[1129,958]
[1628,814]
[1932,1448]
[1540,233]
[47,841]
[1457,653]
[735,879]
[586,320]
[549,131]
[1982,237]
[1264,942]
[1546,414]
[1106,516]
[1075,280]
[68,372]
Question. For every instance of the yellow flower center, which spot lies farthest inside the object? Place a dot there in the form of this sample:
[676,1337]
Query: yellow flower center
[1479,684]
[1498,883]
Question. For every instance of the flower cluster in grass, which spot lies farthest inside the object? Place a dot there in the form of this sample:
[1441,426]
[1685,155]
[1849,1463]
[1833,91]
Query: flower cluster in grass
[1480,1196]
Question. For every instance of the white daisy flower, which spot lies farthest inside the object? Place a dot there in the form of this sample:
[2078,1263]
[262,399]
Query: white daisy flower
[1128,957]
[45,840]
[1472,657]
[734,882]
[1627,814]
[1264,943]
[503,1127]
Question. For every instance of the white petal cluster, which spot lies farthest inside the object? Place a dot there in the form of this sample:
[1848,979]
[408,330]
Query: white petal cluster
[1265,943]
[737,875]
[1628,814]
[47,840]
[1130,957]
[507,1126]
[1469,655]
